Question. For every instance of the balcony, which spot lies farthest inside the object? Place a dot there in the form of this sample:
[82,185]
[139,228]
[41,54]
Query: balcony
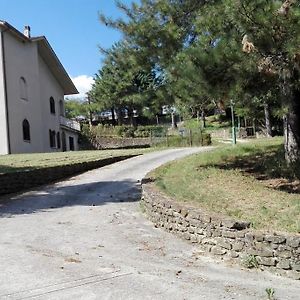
[71,124]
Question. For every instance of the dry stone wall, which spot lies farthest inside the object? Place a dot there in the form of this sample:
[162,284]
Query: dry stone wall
[120,143]
[223,237]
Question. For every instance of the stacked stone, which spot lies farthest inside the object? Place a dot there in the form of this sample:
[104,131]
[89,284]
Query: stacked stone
[224,237]
[121,143]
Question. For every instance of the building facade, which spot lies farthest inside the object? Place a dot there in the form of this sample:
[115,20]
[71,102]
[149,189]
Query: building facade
[33,83]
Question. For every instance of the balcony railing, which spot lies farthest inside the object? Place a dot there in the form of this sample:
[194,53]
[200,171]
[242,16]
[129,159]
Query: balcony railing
[69,123]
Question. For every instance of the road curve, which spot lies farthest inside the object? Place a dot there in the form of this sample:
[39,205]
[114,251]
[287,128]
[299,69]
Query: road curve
[85,238]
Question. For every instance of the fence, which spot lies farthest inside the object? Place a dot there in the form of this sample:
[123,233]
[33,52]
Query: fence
[183,138]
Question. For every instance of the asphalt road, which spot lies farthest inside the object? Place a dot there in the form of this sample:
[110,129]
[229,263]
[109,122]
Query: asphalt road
[85,238]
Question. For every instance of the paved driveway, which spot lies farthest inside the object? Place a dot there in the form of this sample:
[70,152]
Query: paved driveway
[85,238]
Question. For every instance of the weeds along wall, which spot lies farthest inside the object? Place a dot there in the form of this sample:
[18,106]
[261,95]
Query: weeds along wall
[279,253]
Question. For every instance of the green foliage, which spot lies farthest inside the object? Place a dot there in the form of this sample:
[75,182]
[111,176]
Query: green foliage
[250,262]
[125,131]
[148,131]
[124,83]
[270,293]
[207,53]
[75,108]
[214,122]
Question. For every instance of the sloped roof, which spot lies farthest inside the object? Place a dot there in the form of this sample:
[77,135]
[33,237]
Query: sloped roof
[49,56]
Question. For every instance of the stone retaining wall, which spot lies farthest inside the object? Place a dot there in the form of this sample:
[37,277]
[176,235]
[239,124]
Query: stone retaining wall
[120,143]
[223,237]
[18,181]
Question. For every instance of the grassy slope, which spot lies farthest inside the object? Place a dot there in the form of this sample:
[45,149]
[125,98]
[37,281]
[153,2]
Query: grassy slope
[225,181]
[212,123]
[17,162]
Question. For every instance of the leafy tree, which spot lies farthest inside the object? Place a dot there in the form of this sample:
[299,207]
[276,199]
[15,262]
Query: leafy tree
[75,108]
[269,34]
[122,83]
[247,51]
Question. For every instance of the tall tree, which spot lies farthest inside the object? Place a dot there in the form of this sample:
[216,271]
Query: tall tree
[222,42]
[271,32]
[122,83]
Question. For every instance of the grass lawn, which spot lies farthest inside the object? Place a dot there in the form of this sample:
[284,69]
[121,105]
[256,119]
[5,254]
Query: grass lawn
[19,162]
[248,182]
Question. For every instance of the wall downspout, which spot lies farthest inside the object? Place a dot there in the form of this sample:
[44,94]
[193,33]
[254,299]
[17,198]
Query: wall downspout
[5,90]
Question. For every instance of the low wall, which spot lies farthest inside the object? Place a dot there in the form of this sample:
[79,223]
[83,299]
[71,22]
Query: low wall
[18,181]
[223,237]
[120,143]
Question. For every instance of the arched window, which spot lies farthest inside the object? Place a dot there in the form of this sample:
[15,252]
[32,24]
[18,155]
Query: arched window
[23,88]
[58,140]
[52,105]
[26,130]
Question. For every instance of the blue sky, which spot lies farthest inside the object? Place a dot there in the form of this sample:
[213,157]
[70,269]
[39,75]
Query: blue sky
[72,28]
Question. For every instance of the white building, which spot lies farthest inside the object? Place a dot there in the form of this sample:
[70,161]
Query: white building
[33,83]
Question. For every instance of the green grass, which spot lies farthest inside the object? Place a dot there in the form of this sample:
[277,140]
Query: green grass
[232,181]
[19,162]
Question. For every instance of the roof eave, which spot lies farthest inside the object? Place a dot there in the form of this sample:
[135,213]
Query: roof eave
[14,31]
[50,58]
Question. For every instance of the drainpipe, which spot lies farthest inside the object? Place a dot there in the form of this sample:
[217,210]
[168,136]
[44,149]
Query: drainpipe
[5,90]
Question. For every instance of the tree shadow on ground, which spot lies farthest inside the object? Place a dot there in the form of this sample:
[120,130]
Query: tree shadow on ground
[53,197]
[268,167]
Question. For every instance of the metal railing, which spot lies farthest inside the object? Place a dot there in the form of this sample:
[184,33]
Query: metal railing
[69,123]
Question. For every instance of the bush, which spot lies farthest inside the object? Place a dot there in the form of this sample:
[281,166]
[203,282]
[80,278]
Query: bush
[147,131]
[206,139]
[125,131]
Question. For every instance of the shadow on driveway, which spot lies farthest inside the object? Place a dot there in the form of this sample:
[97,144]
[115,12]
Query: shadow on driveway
[53,197]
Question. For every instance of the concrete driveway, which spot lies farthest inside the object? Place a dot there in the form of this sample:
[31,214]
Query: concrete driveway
[85,238]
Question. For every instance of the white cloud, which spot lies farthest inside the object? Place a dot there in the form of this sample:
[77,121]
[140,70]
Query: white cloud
[83,84]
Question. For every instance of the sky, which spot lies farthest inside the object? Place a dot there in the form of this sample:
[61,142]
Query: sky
[72,28]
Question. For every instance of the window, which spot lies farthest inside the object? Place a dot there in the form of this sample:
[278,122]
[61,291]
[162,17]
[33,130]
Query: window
[52,105]
[58,140]
[26,130]
[23,88]
[52,138]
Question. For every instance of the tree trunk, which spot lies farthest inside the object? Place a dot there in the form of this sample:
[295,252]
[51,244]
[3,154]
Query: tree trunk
[291,121]
[90,119]
[198,116]
[174,125]
[113,117]
[268,120]
[131,117]
[157,119]
[120,116]
[292,129]
[203,120]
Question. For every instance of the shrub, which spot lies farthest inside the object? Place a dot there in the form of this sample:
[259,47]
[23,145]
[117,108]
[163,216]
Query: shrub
[206,139]
[147,131]
[124,131]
